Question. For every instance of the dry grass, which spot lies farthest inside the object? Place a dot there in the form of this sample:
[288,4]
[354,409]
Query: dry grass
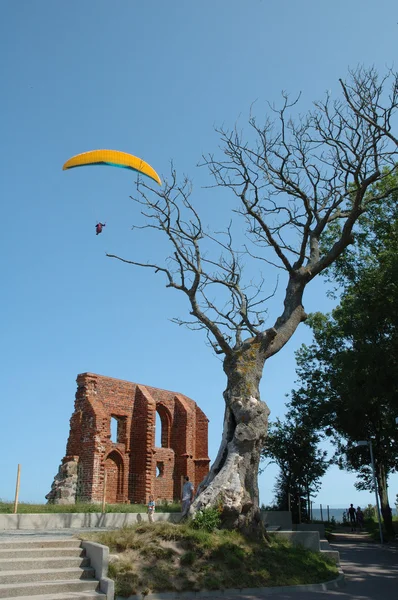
[164,557]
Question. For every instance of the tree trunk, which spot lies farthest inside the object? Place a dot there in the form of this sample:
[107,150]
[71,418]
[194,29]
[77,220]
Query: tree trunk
[384,503]
[232,483]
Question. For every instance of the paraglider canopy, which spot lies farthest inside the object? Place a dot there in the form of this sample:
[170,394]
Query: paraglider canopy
[112,158]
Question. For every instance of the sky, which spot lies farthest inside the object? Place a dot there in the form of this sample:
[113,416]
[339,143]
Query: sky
[154,79]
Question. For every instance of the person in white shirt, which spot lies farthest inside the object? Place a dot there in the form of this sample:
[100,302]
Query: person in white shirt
[187,496]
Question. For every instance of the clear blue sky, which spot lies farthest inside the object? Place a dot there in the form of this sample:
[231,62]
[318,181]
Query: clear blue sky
[151,78]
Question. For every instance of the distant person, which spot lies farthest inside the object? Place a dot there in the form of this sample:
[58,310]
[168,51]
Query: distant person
[151,509]
[99,227]
[187,497]
[352,513]
[360,518]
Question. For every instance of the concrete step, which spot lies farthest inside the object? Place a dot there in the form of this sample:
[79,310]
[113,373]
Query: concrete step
[40,543]
[327,550]
[46,569]
[334,555]
[83,595]
[43,543]
[47,588]
[32,575]
[28,552]
[42,562]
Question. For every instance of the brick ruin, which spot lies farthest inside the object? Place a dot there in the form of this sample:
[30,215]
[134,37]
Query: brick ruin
[135,468]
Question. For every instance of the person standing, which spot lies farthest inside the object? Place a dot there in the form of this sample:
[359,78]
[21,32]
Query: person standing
[151,509]
[352,513]
[360,518]
[187,497]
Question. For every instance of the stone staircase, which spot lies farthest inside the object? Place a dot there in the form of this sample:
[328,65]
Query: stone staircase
[49,569]
[327,550]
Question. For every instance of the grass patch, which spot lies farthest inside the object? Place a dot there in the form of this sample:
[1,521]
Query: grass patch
[83,507]
[372,527]
[164,557]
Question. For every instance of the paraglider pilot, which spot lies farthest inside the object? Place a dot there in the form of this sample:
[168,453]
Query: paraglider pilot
[98,227]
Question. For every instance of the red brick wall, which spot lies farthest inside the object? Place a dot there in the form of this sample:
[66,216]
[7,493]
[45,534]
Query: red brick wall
[131,462]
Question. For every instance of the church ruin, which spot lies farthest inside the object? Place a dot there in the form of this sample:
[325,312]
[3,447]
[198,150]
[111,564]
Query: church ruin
[131,465]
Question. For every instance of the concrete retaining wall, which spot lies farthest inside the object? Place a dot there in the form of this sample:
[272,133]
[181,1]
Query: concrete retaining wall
[283,519]
[320,527]
[307,539]
[272,518]
[99,559]
[79,520]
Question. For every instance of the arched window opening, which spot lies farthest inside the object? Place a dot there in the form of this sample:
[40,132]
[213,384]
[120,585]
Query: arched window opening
[115,475]
[163,426]
[159,469]
[158,431]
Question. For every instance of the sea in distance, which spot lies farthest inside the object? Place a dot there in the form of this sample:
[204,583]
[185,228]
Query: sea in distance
[337,513]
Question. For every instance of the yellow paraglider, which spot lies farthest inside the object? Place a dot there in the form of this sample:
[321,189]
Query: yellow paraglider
[113,158]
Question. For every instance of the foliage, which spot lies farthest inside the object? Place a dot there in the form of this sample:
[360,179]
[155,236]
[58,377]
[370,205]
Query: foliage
[348,375]
[199,560]
[369,512]
[188,558]
[330,528]
[373,528]
[374,227]
[293,446]
[207,518]
[270,507]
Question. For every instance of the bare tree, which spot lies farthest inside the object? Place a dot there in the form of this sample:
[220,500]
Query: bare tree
[298,180]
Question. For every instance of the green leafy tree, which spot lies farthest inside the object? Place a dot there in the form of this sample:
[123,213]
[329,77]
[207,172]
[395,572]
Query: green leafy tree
[293,446]
[297,177]
[349,375]
[369,512]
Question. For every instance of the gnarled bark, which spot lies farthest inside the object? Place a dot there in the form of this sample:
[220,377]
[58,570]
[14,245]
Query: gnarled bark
[232,480]
[232,483]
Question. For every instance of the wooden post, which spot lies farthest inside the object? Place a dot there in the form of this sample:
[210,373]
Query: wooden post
[328,513]
[104,492]
[17,490]
[321,513]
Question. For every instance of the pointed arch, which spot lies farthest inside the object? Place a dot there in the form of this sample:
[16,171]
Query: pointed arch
[114,467]
[166,422]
